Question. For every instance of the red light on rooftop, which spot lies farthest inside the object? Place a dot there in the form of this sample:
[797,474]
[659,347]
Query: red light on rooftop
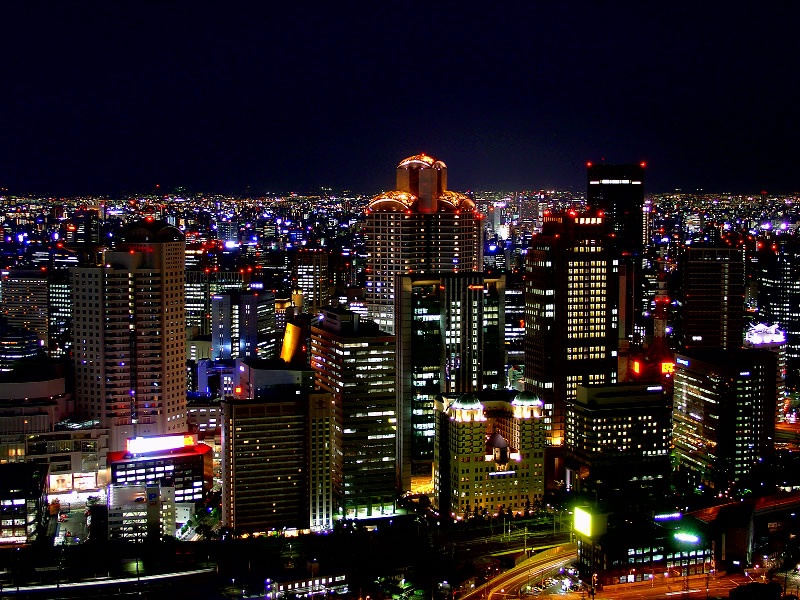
[588,164]
[643,164]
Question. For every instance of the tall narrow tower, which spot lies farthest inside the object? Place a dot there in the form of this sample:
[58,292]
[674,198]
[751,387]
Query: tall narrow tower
[420,226]
[128,334]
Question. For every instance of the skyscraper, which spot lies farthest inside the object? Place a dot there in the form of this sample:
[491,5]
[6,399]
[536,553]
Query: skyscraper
[449,340]
[129,337]
[713,285]
[420,226]
[570,313]
[243,325]
[355,362]
[310,273]
[723,414]
[617,191]
[779,296]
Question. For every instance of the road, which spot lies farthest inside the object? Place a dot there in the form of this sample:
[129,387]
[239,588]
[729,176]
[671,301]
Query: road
[509,583]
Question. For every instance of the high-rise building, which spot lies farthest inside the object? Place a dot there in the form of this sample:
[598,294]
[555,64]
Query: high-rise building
[713,285]
[723,415]
[779,296]
[618,439]
[129,335]
[243,325]
[310,274]
[355,362]
[769,337]
[264,462]
[449,340]
[419,226]
[570,313]
[489,455]
[39,301]
[617,191]
[201,286]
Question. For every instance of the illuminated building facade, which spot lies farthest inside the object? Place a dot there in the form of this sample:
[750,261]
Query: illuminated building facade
[449,340]
[713,285]
[355,362]
[243,325]
[723,414]
[779,296]
[138,512]
[129,335]
[627,547]
[570,314]
[618,441]
[489,455]
[23,502]
[769,337]
[420,226]
[201,287]
[264,461]
[617,192]
[310,274]
[176,461]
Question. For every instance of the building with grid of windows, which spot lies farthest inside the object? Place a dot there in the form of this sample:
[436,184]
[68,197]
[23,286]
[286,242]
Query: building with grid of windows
[449,340]
[243,325]
[354,361]
[22,502]
[419,226]
[176,461]
[723,415]
[618,441]
[310,275]
[571,317]
[489,454]
[129,348]
[264,461]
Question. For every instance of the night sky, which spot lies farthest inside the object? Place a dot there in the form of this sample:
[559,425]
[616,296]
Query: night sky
[116,97]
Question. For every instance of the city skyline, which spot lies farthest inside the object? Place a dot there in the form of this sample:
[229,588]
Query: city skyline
[113,99]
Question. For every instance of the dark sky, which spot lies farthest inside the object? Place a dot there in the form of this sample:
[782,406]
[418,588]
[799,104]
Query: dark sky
[114,97]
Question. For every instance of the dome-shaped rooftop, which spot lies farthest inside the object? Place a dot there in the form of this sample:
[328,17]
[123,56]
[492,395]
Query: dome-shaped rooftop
[149,231]
[467,402]
[526,399]
[449,200]
[394,200]
[421,161]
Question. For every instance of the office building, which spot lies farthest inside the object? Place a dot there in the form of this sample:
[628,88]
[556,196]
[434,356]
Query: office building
[201,286]
[570,314]
[243,325]
[617,192]
[129,335]
[449,340]
[489,455]
[713,286]
[779,296]
[618,441]
[723,415]
[264,461]
[769,337]
[139,512]
[310,275]
[354,361]
[23,503]
[419,226]
[177,461]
